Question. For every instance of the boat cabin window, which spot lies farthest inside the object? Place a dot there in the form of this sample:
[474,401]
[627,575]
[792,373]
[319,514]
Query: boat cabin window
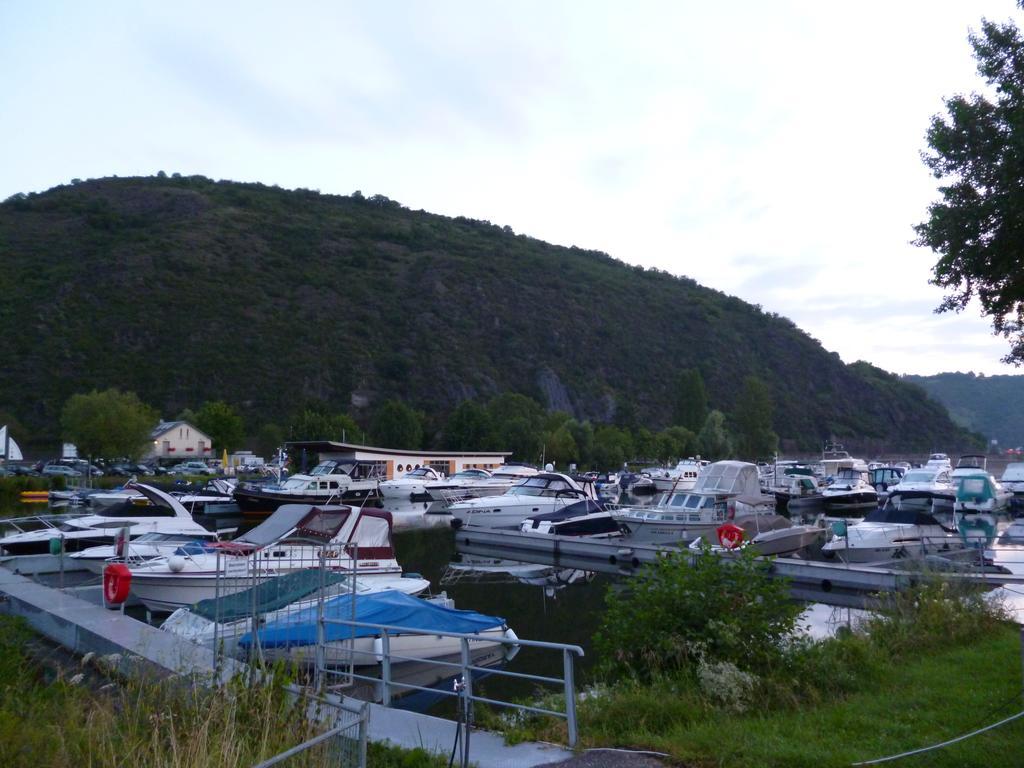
[973,486]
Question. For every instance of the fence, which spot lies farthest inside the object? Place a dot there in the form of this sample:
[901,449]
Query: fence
[343,745]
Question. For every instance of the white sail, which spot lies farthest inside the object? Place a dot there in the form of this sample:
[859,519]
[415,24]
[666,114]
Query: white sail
[9,449]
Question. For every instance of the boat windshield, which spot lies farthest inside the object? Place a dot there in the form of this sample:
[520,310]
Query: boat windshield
[920,476]
[472,474]
[540,486]
[419,472]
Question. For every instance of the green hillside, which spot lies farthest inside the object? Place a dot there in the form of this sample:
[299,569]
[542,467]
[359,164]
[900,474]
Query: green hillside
[186,289]
[990,405]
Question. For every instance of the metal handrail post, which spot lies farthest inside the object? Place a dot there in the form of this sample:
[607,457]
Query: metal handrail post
[467,697]
[570,696]
[364,718]
[385,667]
[321,655]
[216,618]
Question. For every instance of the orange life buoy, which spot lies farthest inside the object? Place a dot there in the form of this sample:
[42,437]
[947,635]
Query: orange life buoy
[729,536]
[117,582]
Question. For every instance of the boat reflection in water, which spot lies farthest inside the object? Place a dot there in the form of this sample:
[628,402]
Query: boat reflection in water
[481,569]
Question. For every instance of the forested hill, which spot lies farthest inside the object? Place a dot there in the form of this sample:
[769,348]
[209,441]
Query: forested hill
[990,405]
[185,289]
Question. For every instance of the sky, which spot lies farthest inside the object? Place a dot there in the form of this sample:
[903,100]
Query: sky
[768,150]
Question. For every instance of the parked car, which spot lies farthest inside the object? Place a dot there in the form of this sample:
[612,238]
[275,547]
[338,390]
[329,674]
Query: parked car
[21,470]
[59,470]
[143,469]
[120,470]
[192,468]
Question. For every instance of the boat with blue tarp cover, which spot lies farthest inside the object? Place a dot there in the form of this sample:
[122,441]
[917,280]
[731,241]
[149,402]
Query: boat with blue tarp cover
[294,636]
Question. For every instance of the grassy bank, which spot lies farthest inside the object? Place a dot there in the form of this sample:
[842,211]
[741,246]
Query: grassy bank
[701,663]
[910,704]
[54,712]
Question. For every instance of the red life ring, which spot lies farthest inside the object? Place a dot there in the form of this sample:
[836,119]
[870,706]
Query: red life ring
[729,536]
[117,582]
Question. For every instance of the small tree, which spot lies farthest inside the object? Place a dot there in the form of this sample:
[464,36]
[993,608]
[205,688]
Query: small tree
[714,440]
[397,425]
[755,438]
[109,423]
[222,423]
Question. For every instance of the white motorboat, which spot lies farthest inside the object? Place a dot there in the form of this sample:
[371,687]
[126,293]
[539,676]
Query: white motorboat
[153,512]
[977,492]
[939,461]
[892,532]
[769,535]
[1013,478]
[294,537]
[329,482]
[681,477]
[931,486]
[221,622]
[544,492]
[850,494]
[411,485]
[148,546]
[472,483]
[724,490]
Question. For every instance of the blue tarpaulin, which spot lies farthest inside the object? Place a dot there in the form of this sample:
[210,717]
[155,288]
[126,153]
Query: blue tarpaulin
[387,607]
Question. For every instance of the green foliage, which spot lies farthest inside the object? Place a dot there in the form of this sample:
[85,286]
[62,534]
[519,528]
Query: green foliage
[317,422]
[612,447]
[268,439]
[675,616]
[714,440]
[690,403]
[468,428]
[222,423]
[977,151]
[396,425]
[753,416]
[676,443]
[560,446]
[108,424]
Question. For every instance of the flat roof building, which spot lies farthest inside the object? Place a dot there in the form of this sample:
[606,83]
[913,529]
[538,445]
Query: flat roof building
[391,462]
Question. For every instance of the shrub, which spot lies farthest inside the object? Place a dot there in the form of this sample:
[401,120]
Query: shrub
[676,615]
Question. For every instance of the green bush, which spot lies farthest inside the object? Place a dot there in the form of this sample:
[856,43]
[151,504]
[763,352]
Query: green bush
[677,615]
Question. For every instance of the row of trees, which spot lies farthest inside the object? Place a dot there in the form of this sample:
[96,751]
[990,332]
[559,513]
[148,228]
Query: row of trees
[113,423]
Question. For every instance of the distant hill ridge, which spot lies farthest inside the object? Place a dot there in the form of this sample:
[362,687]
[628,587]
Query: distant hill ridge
[186,289]
[990,405]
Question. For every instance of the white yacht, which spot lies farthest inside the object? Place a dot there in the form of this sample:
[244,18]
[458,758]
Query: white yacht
[725,490]
[153,512]
[294,537]
[544,492]
[475,485]
[329,482]
[411,485]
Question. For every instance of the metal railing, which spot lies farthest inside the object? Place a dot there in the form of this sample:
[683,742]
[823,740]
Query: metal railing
[345,742]
[466,669]
[38,522]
